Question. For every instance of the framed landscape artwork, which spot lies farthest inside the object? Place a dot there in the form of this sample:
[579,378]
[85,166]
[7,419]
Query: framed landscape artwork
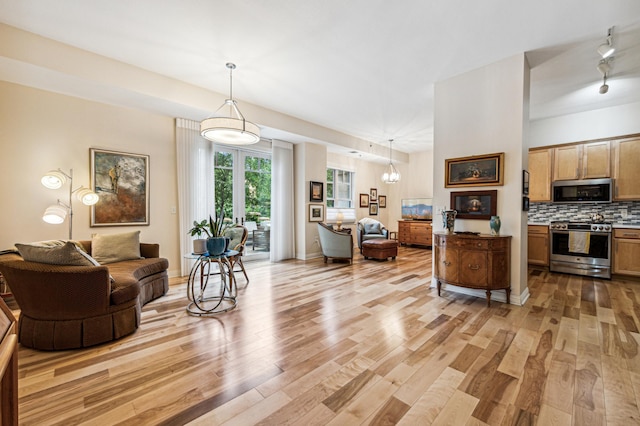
[316,191]
[122,181]
[478,170]
[474,204]
[316,212]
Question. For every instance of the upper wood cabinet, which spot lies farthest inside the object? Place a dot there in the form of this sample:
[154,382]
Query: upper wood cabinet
[584,161]
[540,174]
[626,172]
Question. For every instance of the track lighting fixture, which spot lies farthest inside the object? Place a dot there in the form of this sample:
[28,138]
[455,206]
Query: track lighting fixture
[606,49]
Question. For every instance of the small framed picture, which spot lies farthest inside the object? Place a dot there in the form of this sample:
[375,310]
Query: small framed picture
[316,212]
[315,191]
[364,200]
[382,201]
[373,194]
[525,204]
[373,209]
[525,182]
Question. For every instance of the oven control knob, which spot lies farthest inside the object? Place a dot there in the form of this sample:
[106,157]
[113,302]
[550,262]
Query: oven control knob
[607,228]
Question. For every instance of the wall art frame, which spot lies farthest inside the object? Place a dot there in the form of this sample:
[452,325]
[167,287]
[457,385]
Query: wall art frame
[382,201]
[316,212]
[373,209]
[373,194]
[364,200]
[477,170]
[121,179]
[475,204]
[316,191]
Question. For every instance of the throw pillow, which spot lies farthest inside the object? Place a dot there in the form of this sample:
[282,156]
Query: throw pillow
[64,253]
[372,228]
[110,248]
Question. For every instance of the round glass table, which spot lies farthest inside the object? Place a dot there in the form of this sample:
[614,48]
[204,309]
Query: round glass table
[205,297]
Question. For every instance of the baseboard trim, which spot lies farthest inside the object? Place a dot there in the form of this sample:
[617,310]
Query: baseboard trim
[497,295]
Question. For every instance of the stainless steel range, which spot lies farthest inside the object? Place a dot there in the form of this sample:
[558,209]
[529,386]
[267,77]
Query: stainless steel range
[581,248]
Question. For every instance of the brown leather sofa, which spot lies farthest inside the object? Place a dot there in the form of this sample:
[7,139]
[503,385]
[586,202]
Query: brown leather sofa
[66,307]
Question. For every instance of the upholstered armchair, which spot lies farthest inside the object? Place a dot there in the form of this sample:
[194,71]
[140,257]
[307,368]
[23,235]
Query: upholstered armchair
[335,245]
[369,229]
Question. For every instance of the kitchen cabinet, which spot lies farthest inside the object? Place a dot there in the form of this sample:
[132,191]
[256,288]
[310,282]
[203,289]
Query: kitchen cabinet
[414,232]
[473,261]
[626,172]
[626,251]
[583,161]
[538,245]
[540,175]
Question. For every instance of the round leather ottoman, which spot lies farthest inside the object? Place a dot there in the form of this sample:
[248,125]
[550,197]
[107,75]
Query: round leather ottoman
[380,249]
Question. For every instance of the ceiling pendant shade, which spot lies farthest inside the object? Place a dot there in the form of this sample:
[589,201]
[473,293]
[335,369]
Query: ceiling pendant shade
[391,175]
[231,130]
[606,49]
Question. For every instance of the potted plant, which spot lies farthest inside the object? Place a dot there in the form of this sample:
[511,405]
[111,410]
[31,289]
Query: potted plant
[199,228]
[217,243]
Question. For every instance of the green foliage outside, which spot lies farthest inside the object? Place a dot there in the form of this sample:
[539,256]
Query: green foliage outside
[257,186]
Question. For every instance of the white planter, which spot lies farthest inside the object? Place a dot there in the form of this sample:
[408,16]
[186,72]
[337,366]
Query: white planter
[199,246]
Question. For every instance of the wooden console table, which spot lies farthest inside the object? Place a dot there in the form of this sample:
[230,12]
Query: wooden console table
[416,232]
[473,261]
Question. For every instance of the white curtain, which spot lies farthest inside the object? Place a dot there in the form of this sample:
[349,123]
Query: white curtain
[282,226]
[195,182]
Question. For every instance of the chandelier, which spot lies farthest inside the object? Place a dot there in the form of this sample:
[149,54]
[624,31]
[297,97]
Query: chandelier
[391,175]
[233,129]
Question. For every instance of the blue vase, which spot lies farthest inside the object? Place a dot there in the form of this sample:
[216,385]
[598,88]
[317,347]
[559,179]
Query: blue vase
[216,245]
[449,220]
[494,224]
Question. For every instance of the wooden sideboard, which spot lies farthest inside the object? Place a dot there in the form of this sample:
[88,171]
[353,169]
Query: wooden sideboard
[473,261]
[416,232]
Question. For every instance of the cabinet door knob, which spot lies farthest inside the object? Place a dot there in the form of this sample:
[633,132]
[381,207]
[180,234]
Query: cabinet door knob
[474,267]
[446,263]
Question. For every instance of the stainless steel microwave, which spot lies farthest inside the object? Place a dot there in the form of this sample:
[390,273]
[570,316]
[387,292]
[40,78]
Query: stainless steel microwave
[582,191]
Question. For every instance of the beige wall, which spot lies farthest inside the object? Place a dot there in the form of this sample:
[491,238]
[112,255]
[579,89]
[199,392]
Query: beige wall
[42,131]
[482,112]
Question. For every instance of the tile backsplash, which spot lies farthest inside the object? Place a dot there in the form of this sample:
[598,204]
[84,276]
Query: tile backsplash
[618,213]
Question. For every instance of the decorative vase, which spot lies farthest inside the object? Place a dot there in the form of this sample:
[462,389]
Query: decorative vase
[199,246]
[448,220]
[216,245]
[494,224]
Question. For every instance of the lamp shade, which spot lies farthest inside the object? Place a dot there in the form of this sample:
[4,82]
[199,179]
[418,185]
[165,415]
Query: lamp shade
[87,196]
[54,179]
[55,214]
[231,131]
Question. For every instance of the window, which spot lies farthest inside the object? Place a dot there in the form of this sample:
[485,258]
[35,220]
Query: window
[339,188]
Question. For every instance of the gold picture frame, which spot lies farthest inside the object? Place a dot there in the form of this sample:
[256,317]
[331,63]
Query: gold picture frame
[122,181]
[477,170]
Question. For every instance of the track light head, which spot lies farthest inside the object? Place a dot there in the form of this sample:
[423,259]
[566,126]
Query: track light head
[606,49]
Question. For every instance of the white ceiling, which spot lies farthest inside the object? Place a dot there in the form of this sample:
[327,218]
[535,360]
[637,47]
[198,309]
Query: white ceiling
[365,68]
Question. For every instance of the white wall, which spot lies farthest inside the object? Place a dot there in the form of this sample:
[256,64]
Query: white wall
[43,131]
[601,123]
[482,112]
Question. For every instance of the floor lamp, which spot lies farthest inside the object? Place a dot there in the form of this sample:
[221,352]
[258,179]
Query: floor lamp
[56,213]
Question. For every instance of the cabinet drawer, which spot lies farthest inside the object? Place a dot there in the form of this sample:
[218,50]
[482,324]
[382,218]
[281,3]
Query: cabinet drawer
[538,229]
[626,233]
[474,244]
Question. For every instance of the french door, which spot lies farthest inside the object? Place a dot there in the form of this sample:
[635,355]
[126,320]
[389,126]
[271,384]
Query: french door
[243,189]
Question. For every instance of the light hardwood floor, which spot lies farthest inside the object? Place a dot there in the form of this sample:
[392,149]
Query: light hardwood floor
[368,343]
